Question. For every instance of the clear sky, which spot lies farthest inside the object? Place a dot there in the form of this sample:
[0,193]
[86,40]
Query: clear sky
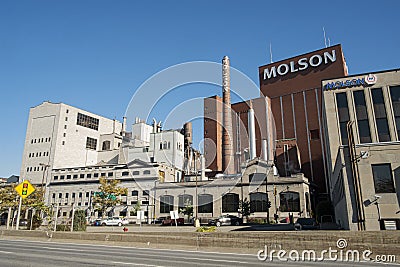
[94,54]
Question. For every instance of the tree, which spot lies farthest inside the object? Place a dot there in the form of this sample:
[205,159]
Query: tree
[136,208]
[108,195]
[80,220]
[244,208]
[8,198]
[187,209]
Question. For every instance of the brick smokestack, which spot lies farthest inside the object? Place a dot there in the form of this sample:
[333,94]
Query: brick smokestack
[227,149]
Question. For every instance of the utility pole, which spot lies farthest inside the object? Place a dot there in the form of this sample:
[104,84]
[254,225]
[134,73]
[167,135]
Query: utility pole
[72,219]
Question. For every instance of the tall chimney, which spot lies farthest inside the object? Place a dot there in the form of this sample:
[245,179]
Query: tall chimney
[227,149]
[123,126]
[252,132]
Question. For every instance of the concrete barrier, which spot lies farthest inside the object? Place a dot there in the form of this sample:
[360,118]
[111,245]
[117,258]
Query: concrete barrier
[380,242]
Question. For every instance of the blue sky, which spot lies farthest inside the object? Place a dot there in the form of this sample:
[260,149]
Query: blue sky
[95,54]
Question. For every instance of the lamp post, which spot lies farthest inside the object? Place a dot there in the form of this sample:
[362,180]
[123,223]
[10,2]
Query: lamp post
[155,201]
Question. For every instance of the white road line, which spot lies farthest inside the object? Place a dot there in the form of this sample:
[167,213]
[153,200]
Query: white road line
[136,264]
[6,252]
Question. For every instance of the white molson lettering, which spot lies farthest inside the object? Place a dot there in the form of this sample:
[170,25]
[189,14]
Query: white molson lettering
[302,64]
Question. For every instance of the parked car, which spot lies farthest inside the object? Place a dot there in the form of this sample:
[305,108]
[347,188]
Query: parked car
[114,221]
[96,222]
[306,224]
[226,220]
[169,221]
[159,220]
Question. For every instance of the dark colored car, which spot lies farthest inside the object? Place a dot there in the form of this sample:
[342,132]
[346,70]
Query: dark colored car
[96,222]
[169,221]
[306,224]
[159,220]
[226,220]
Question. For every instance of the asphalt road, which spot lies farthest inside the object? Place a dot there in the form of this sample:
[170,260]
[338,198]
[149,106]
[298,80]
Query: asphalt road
[43,254]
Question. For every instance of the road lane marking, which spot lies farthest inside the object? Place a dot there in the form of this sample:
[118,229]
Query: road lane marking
[6,252]
[136,264]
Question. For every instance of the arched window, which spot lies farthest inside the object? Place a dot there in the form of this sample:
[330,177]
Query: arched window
[205,203]
[106,145]
[289,201]
[258,202]
[230,202]
[165,145]
[166,203]
[184,201]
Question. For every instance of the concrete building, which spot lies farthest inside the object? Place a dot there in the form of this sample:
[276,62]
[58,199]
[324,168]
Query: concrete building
[61,136]
[362,116]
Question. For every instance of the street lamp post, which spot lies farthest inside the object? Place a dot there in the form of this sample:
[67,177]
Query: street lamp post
[45,166]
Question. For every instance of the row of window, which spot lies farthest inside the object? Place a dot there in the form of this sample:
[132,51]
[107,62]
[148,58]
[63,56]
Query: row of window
[40,140]
[82,175]
[361,113]
[97,175]
[35,169]
[289,202]
[167,145]
[39,154]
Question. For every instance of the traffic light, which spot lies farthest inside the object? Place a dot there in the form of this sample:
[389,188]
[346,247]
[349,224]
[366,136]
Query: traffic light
[24,189]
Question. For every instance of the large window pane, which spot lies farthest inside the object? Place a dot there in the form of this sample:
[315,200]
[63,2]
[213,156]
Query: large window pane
[380,115]
[166,204]
[205,203]
[395,96]
[184,201]
[289,202]
[362,117]
[383,179]
[343,111]
[230,203]
[258,202]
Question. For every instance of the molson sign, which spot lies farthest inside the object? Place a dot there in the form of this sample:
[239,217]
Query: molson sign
[370,79]
[301,64]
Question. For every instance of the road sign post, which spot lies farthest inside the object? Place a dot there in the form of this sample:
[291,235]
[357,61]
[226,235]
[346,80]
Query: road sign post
[24,189]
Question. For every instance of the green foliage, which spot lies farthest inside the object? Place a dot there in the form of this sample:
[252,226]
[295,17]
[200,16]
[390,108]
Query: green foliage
[206,229]
[80,220]
[188,209]
[63,228]
[136,208]
[108,195]
[36,221]
[244,207]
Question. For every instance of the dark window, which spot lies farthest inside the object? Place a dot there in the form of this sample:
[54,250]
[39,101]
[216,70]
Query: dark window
[89,175]
[82,175]
[166,204]
[66,195]
[289,202]
[205,203]
[59,195]
[125,173]
[184,201]
[230,203]
[87,121]
[96,175]
[122,213]
[61,177]
[56,177]
[110,174]
[68,176]
[75,176]
[103,174]
[135,193]
[380,115]
[80,194]
[343,112]
[87,194]
[258,202]
[73,195]
[106,145]
[383,179]
[146,192]
[135,173]
[146,172]
[54,195]
[145,202]
[395,96]
[91,143]
[314,134]
[362,117]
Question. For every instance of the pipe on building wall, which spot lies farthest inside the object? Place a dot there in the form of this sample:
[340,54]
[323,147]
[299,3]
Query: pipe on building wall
[252,132]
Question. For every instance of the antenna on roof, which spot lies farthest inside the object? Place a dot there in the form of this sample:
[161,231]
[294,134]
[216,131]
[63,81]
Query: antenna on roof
[323,29]
[270,52]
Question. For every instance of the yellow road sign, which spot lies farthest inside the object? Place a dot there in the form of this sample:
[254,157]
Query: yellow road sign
[24,189]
